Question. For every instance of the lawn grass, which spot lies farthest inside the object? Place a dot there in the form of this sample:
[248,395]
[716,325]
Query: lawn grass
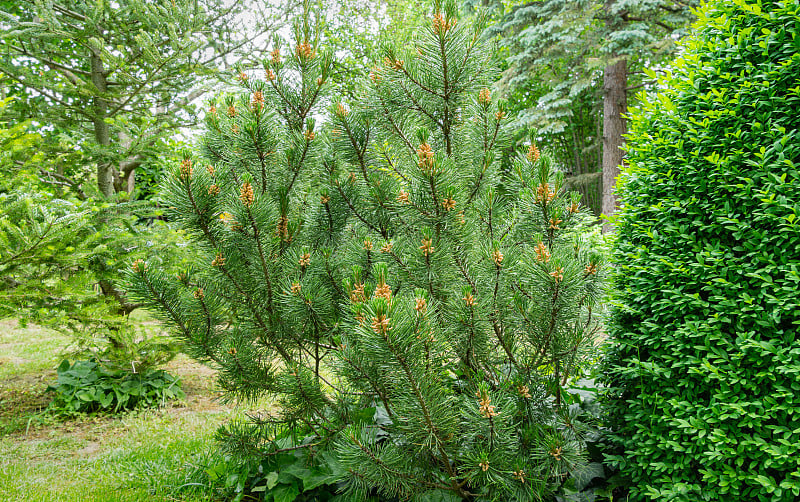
[143,455]
[28,351]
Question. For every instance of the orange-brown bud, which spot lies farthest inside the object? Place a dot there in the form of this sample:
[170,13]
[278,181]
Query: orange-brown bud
[380,324]
[246,194]
[427,246]
[484,96]
[258,100]
[186,169]
[533,153]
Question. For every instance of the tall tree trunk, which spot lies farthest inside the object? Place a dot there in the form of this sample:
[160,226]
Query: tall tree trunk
[105,173]
[615,105]
[102,132]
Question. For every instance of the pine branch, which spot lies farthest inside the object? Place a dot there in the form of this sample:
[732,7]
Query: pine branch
[444,458]
[446,95]
[396,129]
[262,257]
[299,165]
[357,214]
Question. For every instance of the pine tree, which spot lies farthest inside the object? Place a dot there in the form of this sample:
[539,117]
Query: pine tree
[416,311]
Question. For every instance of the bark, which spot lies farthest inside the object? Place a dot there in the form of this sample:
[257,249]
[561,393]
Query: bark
[615,105]
[125,307]
[125,174]
[102,132]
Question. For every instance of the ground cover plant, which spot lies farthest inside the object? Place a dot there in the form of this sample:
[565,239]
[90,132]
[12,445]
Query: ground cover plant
[416,311]
[87,387]
[703,371]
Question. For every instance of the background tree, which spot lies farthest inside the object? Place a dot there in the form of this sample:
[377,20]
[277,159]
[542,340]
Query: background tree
[99,85]
[354,30]
[702,389]
[58,248]
[115,77]
[416,313]
[577,61]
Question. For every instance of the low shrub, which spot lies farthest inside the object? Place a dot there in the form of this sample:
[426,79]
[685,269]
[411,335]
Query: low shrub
[292,475]
[89,387]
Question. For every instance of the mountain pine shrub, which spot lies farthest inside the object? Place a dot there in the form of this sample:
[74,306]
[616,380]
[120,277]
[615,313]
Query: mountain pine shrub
[415,312]
[705,395]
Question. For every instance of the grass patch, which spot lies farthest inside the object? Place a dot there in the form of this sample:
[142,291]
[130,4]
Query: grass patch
[145,455]
[139,456]
[31,352]
[28,358]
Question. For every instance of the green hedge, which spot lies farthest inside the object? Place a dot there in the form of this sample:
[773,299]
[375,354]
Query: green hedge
[704,373]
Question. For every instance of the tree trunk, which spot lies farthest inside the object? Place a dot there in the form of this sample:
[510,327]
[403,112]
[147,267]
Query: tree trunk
[125,174]
[125,181]
[102,132]
[615,105]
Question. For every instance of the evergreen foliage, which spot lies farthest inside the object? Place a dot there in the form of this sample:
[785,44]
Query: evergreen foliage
[558,50]
[55,255]
[58,248]
[416,311]
[114,77]
[703,371]
[566,43]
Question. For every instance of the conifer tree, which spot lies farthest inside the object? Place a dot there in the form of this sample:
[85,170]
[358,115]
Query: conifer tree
[581,59]
[416,311]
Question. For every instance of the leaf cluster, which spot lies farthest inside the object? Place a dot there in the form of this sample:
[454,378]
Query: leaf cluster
[88,387]
[702,371]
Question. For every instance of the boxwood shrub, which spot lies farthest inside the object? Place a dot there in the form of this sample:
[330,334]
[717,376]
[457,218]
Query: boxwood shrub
[704,373]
